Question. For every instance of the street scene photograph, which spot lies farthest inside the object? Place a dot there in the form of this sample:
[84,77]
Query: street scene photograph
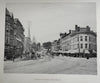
[50,38]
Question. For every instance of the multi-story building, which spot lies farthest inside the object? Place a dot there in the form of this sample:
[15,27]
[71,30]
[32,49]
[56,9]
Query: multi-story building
[56,45]
[80,40]
[19,37]
[14,36]
[9,34]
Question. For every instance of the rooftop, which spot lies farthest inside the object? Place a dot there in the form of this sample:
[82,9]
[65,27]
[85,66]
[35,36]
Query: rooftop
[78,30]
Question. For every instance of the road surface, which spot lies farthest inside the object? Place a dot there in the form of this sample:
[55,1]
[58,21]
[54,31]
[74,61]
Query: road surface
[57,65]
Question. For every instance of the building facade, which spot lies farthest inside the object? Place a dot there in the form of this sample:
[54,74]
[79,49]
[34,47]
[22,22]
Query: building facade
[80,40]
[18,37]
[9,34]
[55,45]
[14,36]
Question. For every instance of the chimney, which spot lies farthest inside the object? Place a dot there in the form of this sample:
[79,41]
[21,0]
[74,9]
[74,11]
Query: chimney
[61,35]
[77,28]
[69,31]
[88,28]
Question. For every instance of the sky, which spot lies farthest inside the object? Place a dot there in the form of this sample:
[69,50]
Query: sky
[48,20]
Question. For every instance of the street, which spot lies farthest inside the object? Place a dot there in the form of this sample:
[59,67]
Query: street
[49,42]
[56,65]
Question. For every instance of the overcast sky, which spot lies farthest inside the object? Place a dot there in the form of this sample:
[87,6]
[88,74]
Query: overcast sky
[49,19]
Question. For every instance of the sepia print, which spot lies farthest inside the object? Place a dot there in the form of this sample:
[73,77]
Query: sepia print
[50,38]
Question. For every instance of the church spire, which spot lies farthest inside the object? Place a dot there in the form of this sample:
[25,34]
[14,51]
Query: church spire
[29,29]
[29,35]
[34,40]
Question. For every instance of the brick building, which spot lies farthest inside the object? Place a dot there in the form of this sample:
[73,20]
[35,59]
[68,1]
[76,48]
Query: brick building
[19,37]
[9,34]
[80,40]
[55,45]
[14,36]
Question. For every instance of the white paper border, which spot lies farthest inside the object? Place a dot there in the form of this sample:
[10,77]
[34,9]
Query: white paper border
[46,78]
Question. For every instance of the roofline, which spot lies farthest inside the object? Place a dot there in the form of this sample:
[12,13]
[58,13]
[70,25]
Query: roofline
[87,32]
[76,33]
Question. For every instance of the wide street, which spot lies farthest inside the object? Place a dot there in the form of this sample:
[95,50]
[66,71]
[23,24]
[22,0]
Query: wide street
[57,65]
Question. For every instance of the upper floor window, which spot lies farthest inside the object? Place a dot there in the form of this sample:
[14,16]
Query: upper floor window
[89,38]
[77,38]
[78,45]
[81,45]
[89,46]
[85,45]
[85,38]
[81,38]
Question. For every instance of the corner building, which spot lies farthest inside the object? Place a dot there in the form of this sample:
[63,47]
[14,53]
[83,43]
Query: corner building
[80,40]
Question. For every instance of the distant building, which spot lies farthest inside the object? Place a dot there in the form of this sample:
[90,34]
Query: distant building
[14,36]
[56,45]
[19,37]
[27,42]
[80,40]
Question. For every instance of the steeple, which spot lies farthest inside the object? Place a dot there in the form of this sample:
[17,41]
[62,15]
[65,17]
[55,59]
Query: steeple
[34,40]
[29,30]
[29,35]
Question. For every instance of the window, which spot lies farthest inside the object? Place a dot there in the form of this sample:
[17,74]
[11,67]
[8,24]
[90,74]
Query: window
[77,38]
[85,38]
[78,45]
[81,45]
[89,38]
[81,38]
[85,45]
[89,46]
